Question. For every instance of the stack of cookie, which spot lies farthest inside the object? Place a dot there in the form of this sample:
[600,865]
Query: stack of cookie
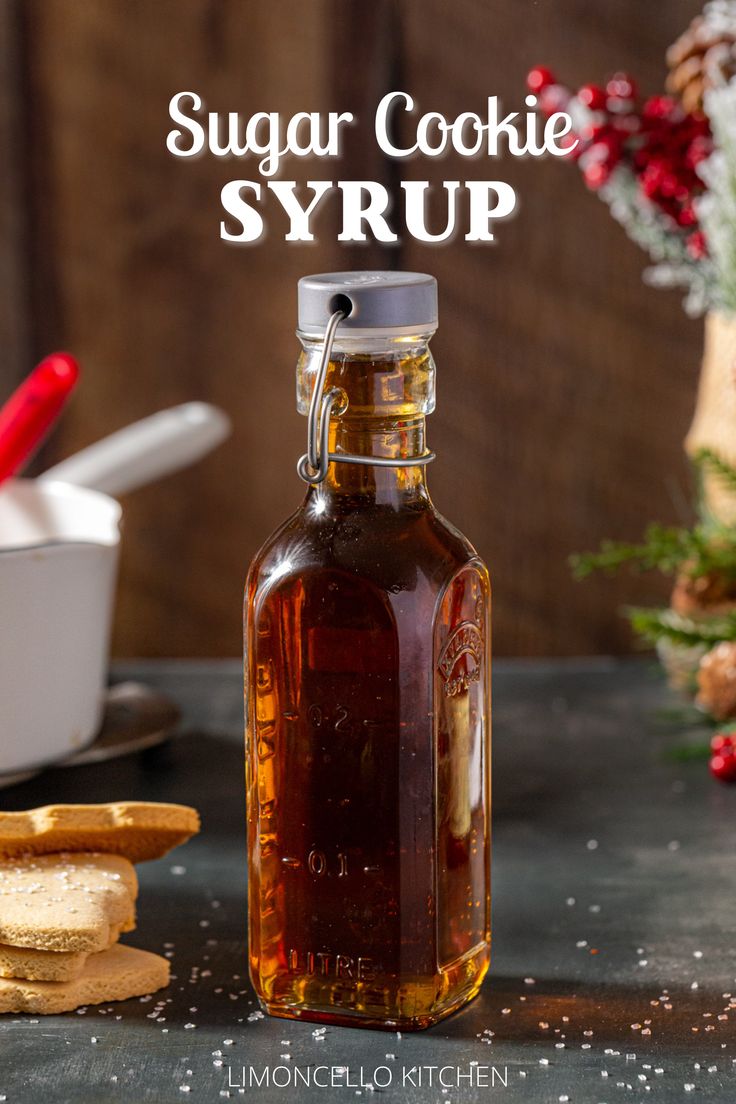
[68,889]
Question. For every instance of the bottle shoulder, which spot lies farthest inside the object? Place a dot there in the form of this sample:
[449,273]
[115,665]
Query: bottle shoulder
[391,549]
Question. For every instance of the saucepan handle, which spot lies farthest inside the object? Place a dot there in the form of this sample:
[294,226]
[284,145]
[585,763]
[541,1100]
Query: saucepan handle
[146,450]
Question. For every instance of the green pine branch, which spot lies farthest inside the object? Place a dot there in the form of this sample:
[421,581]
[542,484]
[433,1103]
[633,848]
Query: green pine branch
[708,548]
[709,460]
[664,624]
[689,753]
[666,549]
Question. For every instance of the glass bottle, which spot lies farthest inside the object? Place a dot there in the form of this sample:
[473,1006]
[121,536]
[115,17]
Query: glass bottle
[367,691]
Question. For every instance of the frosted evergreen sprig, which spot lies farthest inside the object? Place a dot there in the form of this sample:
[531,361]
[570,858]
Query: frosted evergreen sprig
[716,208]
[652,230]
[718,19]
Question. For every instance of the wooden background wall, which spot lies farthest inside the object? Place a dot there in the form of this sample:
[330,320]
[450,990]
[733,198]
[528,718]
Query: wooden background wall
[565,386]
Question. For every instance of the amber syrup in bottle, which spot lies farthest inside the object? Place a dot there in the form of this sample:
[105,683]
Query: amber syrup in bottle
[367,692]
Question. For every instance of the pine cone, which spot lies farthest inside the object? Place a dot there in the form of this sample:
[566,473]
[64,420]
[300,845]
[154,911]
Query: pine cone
[703,595]
[717,681]
[704,55]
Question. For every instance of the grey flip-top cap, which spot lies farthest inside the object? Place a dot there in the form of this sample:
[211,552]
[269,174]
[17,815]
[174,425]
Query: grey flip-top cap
[378,300]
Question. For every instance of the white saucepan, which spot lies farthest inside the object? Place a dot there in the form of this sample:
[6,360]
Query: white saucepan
[59,542]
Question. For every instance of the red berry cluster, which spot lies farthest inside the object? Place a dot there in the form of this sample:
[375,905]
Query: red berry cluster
[723,759]
[655,139]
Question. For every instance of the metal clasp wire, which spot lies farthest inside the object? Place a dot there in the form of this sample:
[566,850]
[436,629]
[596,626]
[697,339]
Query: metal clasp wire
[313,465]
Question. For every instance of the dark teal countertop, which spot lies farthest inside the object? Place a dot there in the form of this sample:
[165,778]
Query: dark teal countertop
[614,905]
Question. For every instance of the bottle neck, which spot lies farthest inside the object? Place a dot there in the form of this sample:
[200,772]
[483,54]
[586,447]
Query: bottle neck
[389,438]
[385,387]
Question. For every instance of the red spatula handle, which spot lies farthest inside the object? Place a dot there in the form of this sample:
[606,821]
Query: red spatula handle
[29,413]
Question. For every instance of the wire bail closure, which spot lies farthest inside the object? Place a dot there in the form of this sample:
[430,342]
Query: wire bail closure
[313,465]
